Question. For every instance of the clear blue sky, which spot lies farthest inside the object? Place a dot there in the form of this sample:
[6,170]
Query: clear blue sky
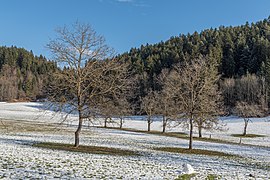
[124,23]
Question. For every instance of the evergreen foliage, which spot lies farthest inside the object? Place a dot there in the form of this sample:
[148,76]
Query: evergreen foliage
[22,74]
[235,50]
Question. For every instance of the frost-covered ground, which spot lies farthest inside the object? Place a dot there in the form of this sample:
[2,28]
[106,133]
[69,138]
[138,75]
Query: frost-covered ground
[20,160]
[234,125]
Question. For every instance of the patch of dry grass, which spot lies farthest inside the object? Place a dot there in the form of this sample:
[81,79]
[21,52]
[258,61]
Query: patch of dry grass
[15,126]
[87,149]
[194,151]
[247,135]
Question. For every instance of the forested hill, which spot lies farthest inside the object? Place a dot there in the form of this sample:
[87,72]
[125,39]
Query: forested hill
[237,50]
[22,74]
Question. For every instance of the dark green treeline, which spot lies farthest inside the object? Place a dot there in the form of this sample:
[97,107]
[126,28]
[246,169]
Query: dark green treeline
[236,51]
[22,75]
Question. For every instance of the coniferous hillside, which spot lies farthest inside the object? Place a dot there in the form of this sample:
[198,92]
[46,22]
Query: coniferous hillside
[22,74]
[236,50]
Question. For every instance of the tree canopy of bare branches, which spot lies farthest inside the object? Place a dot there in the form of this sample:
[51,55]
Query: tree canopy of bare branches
[194,85]
[149,105]
[247,111]
[166,105]
[88,75]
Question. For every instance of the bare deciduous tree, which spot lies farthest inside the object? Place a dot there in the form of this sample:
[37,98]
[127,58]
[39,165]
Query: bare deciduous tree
[249,88]
[227,87]
[210,104]
[166,99]
[195,89]
[248,96]
[209,123]
[87,77]
[8,83]
[123,108]
[107,110]
[247,111]
[149,105]
[167,108]
[116,102]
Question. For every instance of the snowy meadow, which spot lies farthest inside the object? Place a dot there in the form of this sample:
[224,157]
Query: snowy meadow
[25,124]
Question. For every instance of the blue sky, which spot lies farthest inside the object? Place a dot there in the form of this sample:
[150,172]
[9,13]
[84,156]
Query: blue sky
[124,23]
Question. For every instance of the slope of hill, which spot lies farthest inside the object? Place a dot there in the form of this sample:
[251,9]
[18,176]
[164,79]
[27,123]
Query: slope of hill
[236,50]
[22,75]
[20,160]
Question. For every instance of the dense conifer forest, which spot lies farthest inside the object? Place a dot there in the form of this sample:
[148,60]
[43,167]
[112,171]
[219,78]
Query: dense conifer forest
[237,52]
[22,74]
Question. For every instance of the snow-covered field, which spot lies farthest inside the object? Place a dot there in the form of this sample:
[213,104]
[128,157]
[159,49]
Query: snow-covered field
[20,160]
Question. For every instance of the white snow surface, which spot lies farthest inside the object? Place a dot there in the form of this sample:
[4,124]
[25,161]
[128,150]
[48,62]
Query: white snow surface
[188,169]
[20,160]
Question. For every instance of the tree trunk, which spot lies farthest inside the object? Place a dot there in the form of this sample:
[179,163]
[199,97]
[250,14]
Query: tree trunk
[190,132]
[164,124]
[105,122]
[77,133]
[79,108]
[148,124]
[245,127]
[121,122]
[200,131]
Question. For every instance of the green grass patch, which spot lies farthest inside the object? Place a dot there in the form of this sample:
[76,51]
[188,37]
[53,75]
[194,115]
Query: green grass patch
[194,151]
[213,140]
[248,135]
[174,134]
[186,176]
[170,134]
[213,177]
[184,136]
[87,149]
[15,126]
